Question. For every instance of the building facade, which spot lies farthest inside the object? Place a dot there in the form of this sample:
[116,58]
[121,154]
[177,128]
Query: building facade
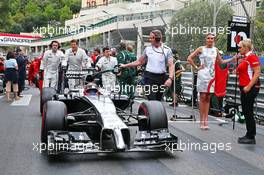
[107,22]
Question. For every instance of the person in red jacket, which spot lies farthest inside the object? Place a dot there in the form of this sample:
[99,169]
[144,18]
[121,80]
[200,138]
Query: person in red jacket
[2,67]
[41,74]
[33,72]
[30,74]
[96,56]
[248,72]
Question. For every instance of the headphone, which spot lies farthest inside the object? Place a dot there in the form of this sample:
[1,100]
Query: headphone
[59,45]
[158,35]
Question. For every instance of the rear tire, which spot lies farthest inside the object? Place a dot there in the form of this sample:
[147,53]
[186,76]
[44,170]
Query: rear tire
[156,115]
[53,118]
[46,95]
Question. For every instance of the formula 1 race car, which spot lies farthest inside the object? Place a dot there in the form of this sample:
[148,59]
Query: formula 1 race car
[89,120]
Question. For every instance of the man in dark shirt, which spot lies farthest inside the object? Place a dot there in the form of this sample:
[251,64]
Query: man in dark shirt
[176,87]
[22,63]
[127,76]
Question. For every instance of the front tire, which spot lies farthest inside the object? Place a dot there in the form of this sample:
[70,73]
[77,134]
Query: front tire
[156,115]
[46,95]
[53,118]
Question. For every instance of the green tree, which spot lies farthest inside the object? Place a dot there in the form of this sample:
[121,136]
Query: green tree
[32,9]
[75,8]
[189,26]
[258,30]
[23,15]
[65,13]
[18,17]
[32,22]
[5,15]
[16,28]
[50,13]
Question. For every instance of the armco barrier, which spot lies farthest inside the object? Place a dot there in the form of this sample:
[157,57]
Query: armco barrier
[230,97]
[230,94]
[187,84]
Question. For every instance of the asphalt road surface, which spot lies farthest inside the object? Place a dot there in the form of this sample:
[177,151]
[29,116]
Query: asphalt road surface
[219,152]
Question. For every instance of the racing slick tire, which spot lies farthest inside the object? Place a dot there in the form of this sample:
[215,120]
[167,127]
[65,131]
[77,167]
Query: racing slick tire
[46,95]
[155,113]
[53,118]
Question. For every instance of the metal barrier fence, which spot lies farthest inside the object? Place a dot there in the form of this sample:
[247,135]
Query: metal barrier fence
[230,97]
[229,100]
[187,85]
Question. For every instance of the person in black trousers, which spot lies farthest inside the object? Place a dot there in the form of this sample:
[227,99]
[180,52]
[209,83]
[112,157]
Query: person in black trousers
[248,72]
[22,63]
[157,57]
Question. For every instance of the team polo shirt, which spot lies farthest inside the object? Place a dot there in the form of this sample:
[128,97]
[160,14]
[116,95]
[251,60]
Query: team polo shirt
[157,58]
[50,61]
[78,60]
[245,68]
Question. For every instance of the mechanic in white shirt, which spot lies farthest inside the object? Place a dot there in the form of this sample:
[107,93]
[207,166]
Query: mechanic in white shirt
[50,64]
[107,62]
[158,56]
[77,60]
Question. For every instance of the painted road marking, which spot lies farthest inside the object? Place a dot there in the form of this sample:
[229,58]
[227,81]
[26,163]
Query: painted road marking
[191,121]
[24,101]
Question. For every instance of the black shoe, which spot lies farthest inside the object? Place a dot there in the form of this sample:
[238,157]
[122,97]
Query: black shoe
[246,140]
[244,137]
